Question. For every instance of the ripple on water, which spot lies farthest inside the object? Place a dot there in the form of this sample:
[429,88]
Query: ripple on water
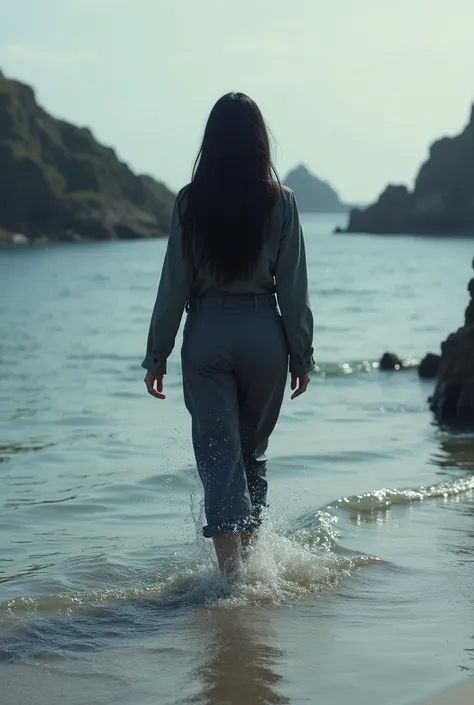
[279,571]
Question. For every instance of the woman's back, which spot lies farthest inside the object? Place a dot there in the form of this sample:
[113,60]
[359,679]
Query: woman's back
[262,279]
[280,268]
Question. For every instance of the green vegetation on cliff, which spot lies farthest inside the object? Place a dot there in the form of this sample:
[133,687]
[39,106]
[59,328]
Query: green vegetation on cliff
[442,201]
[58,182]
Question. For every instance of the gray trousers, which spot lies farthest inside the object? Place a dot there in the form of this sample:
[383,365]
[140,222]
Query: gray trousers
[235,366]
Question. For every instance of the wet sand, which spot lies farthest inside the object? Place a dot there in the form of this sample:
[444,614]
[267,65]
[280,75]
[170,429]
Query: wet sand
[463,695]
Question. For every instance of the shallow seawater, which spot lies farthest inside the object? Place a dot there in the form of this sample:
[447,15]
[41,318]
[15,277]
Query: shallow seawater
[361,589]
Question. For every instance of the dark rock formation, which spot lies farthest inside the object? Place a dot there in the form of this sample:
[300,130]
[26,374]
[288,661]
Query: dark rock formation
[389,362]
[429,366]
[58,182]
[453,398]
[312,194]
[389,215]
[442,202]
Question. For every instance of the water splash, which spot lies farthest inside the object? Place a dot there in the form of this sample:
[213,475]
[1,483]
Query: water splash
[278,568]
[281,569]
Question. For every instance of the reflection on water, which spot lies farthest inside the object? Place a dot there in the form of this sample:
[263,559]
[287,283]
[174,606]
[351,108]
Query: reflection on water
[240,659]
[456,449]
[376,516]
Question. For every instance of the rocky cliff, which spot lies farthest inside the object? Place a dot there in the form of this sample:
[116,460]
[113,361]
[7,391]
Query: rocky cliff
[312,194]
[58,182]
[442,201]
[453,398]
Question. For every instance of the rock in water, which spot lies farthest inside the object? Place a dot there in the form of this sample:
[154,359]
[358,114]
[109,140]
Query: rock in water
[389,362]
[442,201]
[453,398]
[312,194]
[429,366]
[58,182]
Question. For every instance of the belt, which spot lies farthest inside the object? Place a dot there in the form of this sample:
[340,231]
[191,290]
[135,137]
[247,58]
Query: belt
[223,300]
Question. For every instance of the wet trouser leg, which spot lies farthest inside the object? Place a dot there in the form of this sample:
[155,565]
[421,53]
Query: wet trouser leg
[235,365]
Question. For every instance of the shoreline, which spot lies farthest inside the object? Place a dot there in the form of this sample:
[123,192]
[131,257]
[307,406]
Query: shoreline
[457,695]
[8,239]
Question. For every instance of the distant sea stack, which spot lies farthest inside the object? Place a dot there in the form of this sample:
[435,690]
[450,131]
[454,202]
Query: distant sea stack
[58,183]
[312,194]
[442,201]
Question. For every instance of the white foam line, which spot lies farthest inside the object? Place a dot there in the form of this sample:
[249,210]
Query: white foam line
[384,498]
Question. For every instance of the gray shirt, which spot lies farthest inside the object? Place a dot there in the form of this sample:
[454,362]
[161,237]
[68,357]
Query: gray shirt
[281,269]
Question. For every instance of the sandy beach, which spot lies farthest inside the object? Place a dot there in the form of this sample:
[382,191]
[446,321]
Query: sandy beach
[463,695]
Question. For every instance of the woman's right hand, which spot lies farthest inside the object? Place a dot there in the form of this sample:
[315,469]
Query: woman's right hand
[299,383]
[154,385]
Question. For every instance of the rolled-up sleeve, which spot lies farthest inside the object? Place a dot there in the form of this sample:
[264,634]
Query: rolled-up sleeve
[174,289]
[291,278]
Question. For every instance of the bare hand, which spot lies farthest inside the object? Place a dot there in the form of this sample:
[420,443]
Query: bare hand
[300,383]
[154,385]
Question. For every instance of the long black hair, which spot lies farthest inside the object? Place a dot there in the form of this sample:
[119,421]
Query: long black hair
[225,210]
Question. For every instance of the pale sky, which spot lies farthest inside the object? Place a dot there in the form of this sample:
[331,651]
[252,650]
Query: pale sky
[355,89]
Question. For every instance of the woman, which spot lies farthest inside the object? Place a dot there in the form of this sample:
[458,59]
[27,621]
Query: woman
[235,242]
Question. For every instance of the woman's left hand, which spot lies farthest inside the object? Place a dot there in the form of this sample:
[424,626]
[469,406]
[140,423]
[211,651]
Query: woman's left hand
[154,385]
